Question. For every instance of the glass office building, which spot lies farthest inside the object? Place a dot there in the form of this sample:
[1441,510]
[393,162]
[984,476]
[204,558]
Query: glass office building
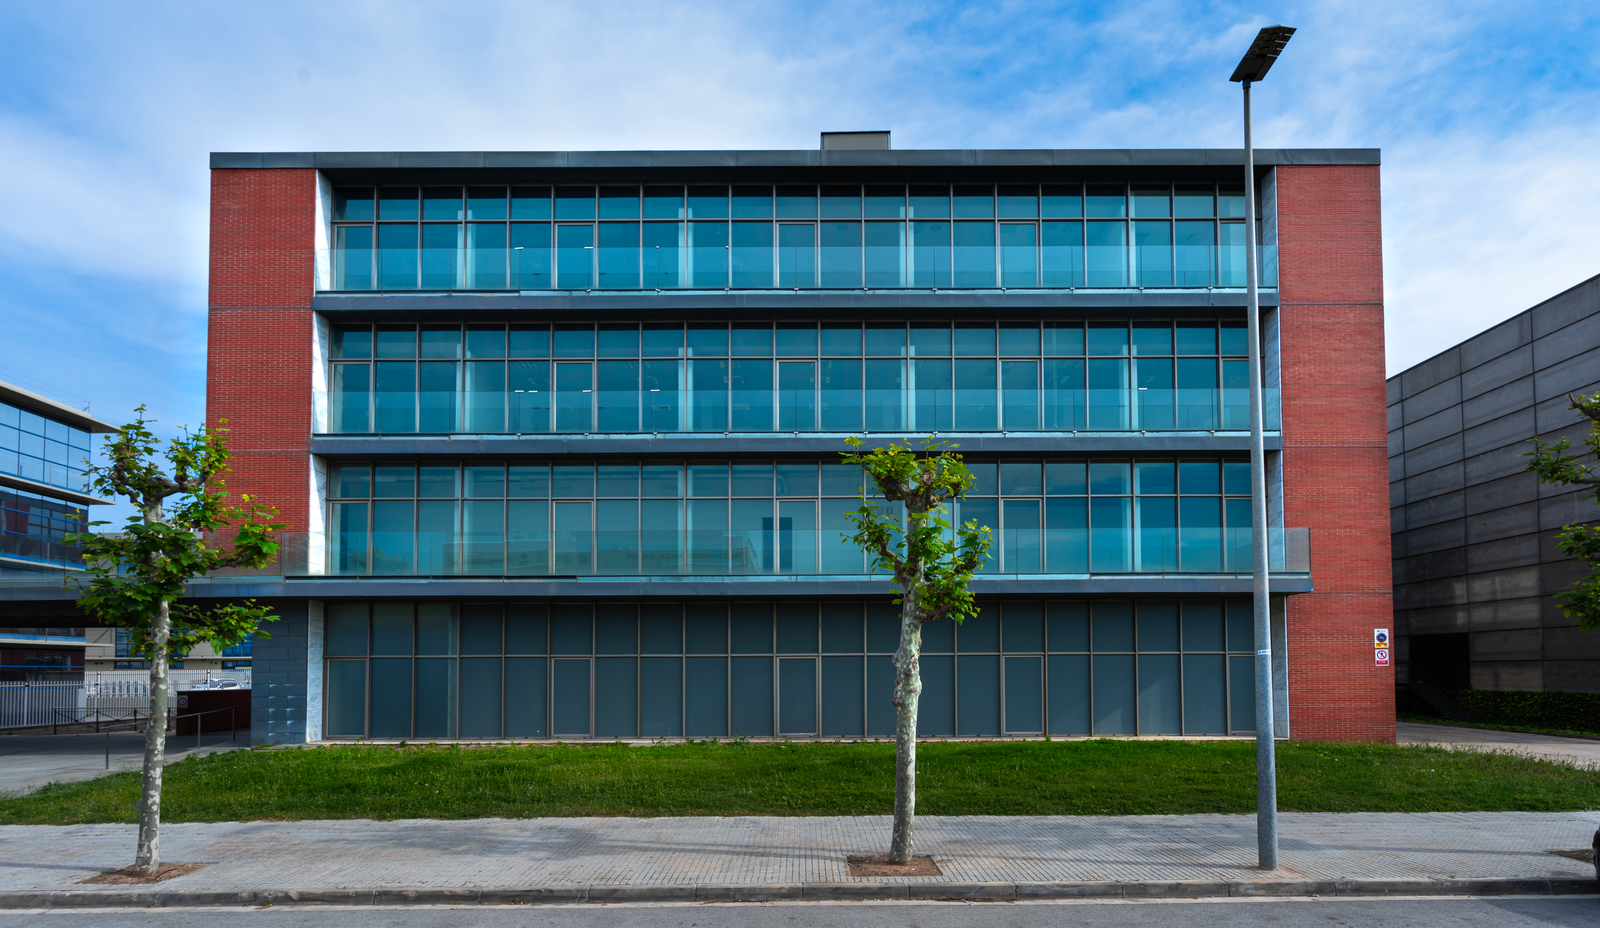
[557,436]
[44,445]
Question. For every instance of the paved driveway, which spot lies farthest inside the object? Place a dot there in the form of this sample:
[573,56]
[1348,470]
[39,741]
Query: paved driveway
[28,762]
[1580,751]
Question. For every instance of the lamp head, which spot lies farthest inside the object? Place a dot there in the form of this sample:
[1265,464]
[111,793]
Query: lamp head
[1263,52]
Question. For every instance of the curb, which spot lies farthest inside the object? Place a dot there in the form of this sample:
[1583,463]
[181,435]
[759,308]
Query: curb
[814,892]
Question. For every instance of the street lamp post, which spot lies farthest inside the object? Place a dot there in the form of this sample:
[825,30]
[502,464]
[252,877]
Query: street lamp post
[1253,67]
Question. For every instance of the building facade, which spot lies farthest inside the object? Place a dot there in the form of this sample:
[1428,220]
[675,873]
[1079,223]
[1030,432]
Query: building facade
[43,445]
[1476,564]
[556,436]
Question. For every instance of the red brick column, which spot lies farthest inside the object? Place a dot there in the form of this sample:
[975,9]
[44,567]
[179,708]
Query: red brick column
[1335,448]
[258,363]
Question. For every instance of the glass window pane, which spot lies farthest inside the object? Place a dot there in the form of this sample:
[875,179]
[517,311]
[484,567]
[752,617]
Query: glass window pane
[797,256]
[797,339]
[1061,254]
[353,204]
[391,698]
[1108,338]
[885,202]
[1024,695]
[974,339]
[486,203]
[751,682]
[347,699]
[1230,201]
[708,202]
[929,256]
[526,697]
[619,340]
[974,201]
[480,697]
[1106,201]
[397,257]
[616,705]
[401,203]
[1107,254]
[706,695]
[796,202]
[441,203]
[572,481]
[1194,200]
[1152,338]
[841,202]
[929,201]
[1019,201]
[751,383]
[840,393]
[1153,253]
[664,255]
[574,202]
[663,340]
[930,340]
[1062,200]
[843,709]
[1160,696]
[352,268]
[1018,258]
[841,254]
[1152,200]
[530,256]
[663,203]
[618,255]
[574,257]
[974,254]
[1065,478]
[885,254]
[1019,339]
[530,202]
[1197,338]
[570,689]
[708,340]
[661,697]
[752,202]
[708,255]
[619,202]
[752,254]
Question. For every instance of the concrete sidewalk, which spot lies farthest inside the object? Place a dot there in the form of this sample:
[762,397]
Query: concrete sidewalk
[763,857]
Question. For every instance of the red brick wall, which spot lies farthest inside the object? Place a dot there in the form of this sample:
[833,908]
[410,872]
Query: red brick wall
[1335,448]
[258,363]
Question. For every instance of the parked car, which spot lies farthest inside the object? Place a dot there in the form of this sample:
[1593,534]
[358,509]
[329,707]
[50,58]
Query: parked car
[221,684]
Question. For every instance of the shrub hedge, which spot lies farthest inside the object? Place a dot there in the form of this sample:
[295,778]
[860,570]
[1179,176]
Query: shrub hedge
[1555,710]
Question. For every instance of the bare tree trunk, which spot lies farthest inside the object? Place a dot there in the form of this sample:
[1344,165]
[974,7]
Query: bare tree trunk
[148,856]
[907,690]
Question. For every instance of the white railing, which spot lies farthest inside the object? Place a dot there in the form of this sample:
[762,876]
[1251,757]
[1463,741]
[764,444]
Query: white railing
[26,704]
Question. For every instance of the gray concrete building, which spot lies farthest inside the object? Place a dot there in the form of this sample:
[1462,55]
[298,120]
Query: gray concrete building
[1476,564]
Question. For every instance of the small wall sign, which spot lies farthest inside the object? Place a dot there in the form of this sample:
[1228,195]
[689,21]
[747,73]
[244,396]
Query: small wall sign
[1380,657]
[1380,638]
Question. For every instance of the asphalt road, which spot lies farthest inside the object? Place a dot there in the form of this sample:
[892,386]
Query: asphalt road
[1323,913]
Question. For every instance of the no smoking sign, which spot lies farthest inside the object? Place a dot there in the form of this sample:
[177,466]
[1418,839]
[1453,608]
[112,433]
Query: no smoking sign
[1380,657]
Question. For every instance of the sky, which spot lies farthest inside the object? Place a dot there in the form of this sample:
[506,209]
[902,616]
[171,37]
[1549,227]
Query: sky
[1487,114]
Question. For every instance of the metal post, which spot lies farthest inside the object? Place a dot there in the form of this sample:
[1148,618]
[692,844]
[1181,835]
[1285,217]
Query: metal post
[108,749]
[1266,763]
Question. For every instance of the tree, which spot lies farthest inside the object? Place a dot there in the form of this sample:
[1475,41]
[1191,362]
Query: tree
[1553,465]
[932,562]
[136,578]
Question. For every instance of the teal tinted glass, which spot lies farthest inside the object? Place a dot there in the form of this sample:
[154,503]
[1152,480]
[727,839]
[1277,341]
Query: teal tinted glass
[1065,478]
[841,202]
[353,204]
[751,340]
[1061,200]
[401,203]
[439,482]
[352,341]
[397,341]
[441,341]
[796,202]
[395,482]
[708,340]
[885,202]
[1154,477]
[1194,200]
[1150,201]
[619,341]
[974,339]
[1108,338]
[1230,202]
[1108,477]
[1152,338]
[441,203]
[974,201]
[752,202]
[486,203]
[663,202]
[353,482]
[574,202]
[841,341]
[1018,201]
[663,340]
[1235,338]
[1107,201]
[619,202]
[1019,340]
[929,201]
[1197,338]
[1200,477]
[708,202]
[530,202]
[530,341]
[797,339]
[574,341]
[1063,339]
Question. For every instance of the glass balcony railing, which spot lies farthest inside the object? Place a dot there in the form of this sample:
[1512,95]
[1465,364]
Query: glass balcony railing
[27,552]
[576,407]
[720,266]
[776,553]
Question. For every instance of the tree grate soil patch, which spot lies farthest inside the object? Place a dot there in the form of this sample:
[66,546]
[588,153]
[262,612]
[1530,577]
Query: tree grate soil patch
[1584,854]
[881,865]
[128,876]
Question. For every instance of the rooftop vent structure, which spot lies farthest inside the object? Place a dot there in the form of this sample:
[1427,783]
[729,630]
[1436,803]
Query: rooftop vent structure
[855,141]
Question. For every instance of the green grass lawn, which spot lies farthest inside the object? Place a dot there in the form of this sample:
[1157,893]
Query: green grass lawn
[984,778]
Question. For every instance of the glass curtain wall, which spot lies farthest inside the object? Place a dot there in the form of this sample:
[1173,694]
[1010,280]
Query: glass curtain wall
[1074,375]
[718,237]
[769,518]
[408,671]
[42,450]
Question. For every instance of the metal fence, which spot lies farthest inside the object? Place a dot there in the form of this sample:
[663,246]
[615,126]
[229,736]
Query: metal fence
[28,703]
